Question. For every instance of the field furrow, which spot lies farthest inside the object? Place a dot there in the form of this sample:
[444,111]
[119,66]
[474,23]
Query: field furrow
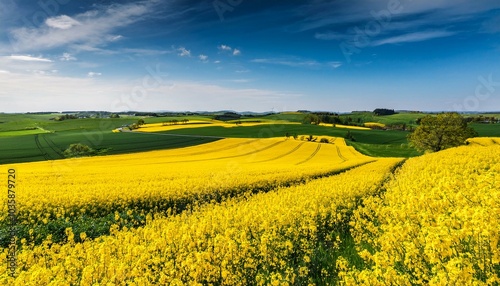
[283,155]
[90,194]
[311,156]
[265,239]
[437,223]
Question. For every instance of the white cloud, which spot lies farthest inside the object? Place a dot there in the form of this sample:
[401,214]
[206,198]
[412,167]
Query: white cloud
[67,57]
[146,52]
[325,14]
[216,62]
[203,58]
[288,62]
[197,97]
[44,72]
[25,63]
[90,29]
[225,48]
[94,74]
[49,91]
[406,25]
[114,38]
[413,37]
[335,64]
[183,52]
[61,22]
[90,93]
[452,7]
[27,58]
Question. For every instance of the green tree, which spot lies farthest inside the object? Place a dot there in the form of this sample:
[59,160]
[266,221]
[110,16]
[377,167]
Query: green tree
[439,132]
[311,138]
[311,119]
[140,122]
[78,150]
[349,136]
[324,140]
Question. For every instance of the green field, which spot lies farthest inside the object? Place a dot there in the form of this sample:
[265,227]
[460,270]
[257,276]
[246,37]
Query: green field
[388,143]
[400,118]
[51,146]
[33,137]
[22,132]
[487,130]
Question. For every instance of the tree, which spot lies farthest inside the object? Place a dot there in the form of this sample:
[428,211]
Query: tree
[140,122]
[349,136]
[311,119]
[78,150]
[383,111]
[439,132]
[311,138]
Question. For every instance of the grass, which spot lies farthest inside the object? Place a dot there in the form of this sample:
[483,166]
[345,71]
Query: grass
[17,144]
[378,143]
[400,118]
[22,132]
[385,150]
[487,130]
[50,146]
[15,122]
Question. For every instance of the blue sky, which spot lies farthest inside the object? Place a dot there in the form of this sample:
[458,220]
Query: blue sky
[247,55]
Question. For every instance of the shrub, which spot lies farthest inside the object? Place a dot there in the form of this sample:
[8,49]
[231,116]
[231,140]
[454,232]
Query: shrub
[78,150]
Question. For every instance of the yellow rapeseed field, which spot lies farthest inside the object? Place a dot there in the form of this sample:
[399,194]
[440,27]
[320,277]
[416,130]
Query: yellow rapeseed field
[344,126]
[158,127]
[274,211]
[142,183]
[484,141]
[437,224]
[269,238]
[374,124]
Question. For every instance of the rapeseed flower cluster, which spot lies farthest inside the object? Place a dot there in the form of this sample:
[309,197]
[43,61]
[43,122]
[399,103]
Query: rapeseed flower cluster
[135,185]
[266,238]
[437,223]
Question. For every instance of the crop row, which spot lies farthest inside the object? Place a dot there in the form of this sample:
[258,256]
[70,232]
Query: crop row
[437,224]
[292,235]
[90,194]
